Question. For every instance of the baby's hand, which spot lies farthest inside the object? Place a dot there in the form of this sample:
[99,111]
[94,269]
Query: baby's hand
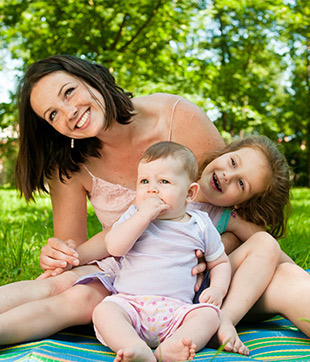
[212,295]
[152,207]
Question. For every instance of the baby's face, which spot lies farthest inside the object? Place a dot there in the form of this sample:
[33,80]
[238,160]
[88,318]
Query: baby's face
[167,180]
[235,177]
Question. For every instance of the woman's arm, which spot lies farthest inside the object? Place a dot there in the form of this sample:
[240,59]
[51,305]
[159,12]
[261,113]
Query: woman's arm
[70,222]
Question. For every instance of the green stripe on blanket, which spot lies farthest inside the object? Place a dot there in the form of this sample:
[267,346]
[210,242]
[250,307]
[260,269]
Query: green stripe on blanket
[273,340]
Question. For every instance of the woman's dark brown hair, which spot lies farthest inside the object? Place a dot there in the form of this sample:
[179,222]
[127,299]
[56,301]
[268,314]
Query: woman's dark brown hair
[270,208]
[41,148]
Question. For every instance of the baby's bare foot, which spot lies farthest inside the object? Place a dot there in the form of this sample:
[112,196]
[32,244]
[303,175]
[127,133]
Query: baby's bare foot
[172,350]
[135,354]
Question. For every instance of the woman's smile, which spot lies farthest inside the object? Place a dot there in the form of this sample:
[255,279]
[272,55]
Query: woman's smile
[82,121]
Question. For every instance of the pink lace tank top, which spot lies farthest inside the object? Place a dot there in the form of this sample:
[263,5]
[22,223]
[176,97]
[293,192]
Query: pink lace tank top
[110,200]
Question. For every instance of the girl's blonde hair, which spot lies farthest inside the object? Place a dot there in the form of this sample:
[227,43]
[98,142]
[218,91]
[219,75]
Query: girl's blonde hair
[271,207]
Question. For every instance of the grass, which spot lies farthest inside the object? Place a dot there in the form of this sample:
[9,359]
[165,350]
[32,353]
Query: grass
[24,229]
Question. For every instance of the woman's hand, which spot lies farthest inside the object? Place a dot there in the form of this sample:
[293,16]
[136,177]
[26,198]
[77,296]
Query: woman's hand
[58,254]
[199,269]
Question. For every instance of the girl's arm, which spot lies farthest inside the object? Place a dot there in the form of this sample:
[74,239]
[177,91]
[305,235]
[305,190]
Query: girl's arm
[220,275]
[242,229]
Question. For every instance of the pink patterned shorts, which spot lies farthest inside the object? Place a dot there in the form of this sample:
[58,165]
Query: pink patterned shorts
[154,317]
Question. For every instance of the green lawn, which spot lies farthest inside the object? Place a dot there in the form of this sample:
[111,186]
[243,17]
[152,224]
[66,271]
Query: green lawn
[24,229]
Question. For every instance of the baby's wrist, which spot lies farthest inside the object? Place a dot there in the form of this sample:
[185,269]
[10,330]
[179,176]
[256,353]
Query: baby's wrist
[220,289]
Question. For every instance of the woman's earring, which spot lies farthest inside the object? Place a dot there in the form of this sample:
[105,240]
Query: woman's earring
[72,142]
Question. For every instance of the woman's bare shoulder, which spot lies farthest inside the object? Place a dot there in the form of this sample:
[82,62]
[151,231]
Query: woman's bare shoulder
[160,100]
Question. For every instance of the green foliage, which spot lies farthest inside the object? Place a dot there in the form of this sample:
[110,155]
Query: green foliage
[296,244]
[248,60]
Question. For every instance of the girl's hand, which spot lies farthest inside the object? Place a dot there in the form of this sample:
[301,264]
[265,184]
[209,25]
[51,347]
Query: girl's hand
[58,254]
[199,269]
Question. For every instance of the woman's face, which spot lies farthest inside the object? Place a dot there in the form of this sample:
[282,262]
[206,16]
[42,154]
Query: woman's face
[73,109]
[235,177]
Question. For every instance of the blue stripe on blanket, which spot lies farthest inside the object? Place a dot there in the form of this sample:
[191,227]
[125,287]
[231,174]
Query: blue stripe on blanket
[273,340]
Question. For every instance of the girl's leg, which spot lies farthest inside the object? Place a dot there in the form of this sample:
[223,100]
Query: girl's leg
[288,294]
[42,318]
[15,294]
[194,333]
[253,266]
[115,327]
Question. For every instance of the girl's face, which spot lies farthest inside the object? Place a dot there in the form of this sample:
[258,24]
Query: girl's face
[166,179]
[65,103]
[235,177]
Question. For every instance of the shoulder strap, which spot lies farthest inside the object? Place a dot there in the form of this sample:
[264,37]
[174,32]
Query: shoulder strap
[171,118]
[88,171]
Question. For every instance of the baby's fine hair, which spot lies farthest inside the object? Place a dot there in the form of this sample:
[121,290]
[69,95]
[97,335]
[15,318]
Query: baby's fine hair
[271,207]
[167,149]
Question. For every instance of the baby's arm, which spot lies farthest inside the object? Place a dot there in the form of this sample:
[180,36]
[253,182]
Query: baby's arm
[121,238]
[220,275]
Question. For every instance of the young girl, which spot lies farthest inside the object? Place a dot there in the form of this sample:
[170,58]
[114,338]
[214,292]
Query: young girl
[157,240]
[250,186]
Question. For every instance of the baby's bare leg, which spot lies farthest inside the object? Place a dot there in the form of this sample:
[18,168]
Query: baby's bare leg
[115,327]
[16,294]
[195,332]
[42,318]
[253,266]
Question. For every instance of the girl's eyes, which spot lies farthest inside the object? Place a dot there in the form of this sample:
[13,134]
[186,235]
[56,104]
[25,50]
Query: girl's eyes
[233,162]
[144,181]
[164,181]
[241,183]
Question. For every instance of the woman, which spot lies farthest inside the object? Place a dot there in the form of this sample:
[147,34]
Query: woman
[84,135]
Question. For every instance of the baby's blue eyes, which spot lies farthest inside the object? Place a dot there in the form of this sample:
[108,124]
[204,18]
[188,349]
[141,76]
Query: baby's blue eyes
[145,181]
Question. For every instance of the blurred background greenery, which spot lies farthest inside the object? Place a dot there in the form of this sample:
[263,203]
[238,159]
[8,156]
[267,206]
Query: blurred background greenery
[245,62]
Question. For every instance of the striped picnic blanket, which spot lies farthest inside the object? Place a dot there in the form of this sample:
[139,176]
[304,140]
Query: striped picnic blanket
[273,340]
